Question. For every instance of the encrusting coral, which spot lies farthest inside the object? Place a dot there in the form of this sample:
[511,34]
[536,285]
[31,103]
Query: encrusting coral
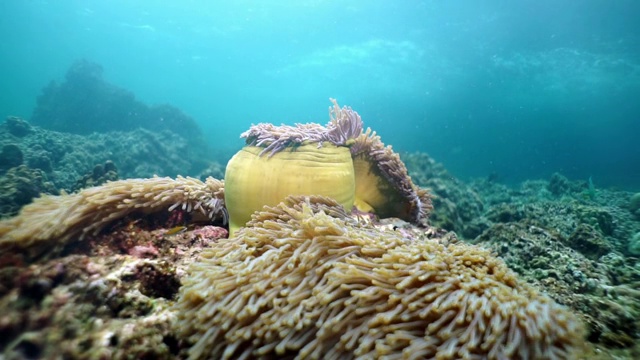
[52,221]
[338,160]
[303,280]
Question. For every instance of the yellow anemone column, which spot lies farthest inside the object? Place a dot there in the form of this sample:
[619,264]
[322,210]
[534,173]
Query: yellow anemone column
[253,181]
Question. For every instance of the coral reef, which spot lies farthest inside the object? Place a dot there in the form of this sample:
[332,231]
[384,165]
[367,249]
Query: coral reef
[559,185]
[10,156]
[96,274]
[98,176]
[456,206]
[634,205]
[104,299]
[303,280]
[573,246]
[86,103]
[17,127]
[634,245]
[541,257]
[214,169]
[67,158]
[19,186]
[94,122]
[589,242]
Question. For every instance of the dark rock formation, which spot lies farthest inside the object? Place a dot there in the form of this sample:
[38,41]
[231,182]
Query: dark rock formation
[86,103]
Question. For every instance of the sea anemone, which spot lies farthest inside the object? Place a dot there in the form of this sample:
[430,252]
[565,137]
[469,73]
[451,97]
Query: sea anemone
[50,222]
[338,160]
[254,181]
[303,280]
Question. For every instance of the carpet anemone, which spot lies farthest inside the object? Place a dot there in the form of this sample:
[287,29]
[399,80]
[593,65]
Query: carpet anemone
[51,222]
[304,280]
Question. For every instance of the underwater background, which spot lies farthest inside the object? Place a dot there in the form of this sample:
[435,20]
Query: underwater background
[513,90]
[514,129]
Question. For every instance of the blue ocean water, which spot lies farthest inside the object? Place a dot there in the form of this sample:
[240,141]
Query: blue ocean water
[513,89]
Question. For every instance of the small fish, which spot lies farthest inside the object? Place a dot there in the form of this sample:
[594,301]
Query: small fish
[175,230]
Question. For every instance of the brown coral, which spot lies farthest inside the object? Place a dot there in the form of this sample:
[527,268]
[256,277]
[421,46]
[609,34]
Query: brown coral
[303,280]
[52,221]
